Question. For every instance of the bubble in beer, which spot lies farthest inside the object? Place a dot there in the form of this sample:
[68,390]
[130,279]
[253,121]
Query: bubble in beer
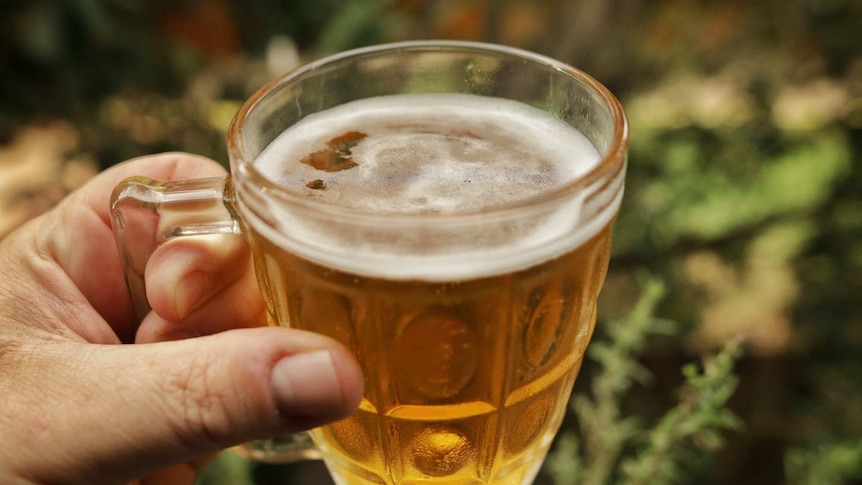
[439,451]
[437,354]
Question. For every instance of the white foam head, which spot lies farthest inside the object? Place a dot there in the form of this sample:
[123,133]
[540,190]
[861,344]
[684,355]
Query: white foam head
[427,158]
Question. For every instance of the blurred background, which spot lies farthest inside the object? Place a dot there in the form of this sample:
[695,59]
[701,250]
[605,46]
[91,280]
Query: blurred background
[744,190]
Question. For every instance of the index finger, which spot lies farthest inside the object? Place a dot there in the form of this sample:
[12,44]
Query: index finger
[79,236]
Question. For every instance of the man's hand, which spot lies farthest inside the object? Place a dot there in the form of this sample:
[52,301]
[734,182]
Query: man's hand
[80,407]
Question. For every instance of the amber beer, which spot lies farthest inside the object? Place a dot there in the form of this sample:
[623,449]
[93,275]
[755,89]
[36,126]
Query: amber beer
[468,314]
[443,209]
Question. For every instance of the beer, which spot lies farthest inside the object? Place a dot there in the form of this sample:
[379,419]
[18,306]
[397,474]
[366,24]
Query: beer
[454,240]
[468,319]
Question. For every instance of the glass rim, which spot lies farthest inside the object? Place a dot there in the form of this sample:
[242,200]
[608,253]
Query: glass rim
[611,162]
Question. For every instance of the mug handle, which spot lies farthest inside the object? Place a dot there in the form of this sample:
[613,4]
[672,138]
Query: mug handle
[146,213]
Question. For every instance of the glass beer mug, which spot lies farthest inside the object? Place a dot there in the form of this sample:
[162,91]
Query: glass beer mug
[444,210]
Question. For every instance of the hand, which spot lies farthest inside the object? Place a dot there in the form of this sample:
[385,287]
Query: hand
[77,406]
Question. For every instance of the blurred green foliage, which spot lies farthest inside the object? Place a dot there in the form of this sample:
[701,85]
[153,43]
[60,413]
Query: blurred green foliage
[831,464]
[743,191]
[595,453]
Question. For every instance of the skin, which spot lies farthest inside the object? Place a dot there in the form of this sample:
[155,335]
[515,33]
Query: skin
[89,396]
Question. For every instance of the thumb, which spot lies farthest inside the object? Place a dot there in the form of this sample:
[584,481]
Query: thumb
[141,408]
